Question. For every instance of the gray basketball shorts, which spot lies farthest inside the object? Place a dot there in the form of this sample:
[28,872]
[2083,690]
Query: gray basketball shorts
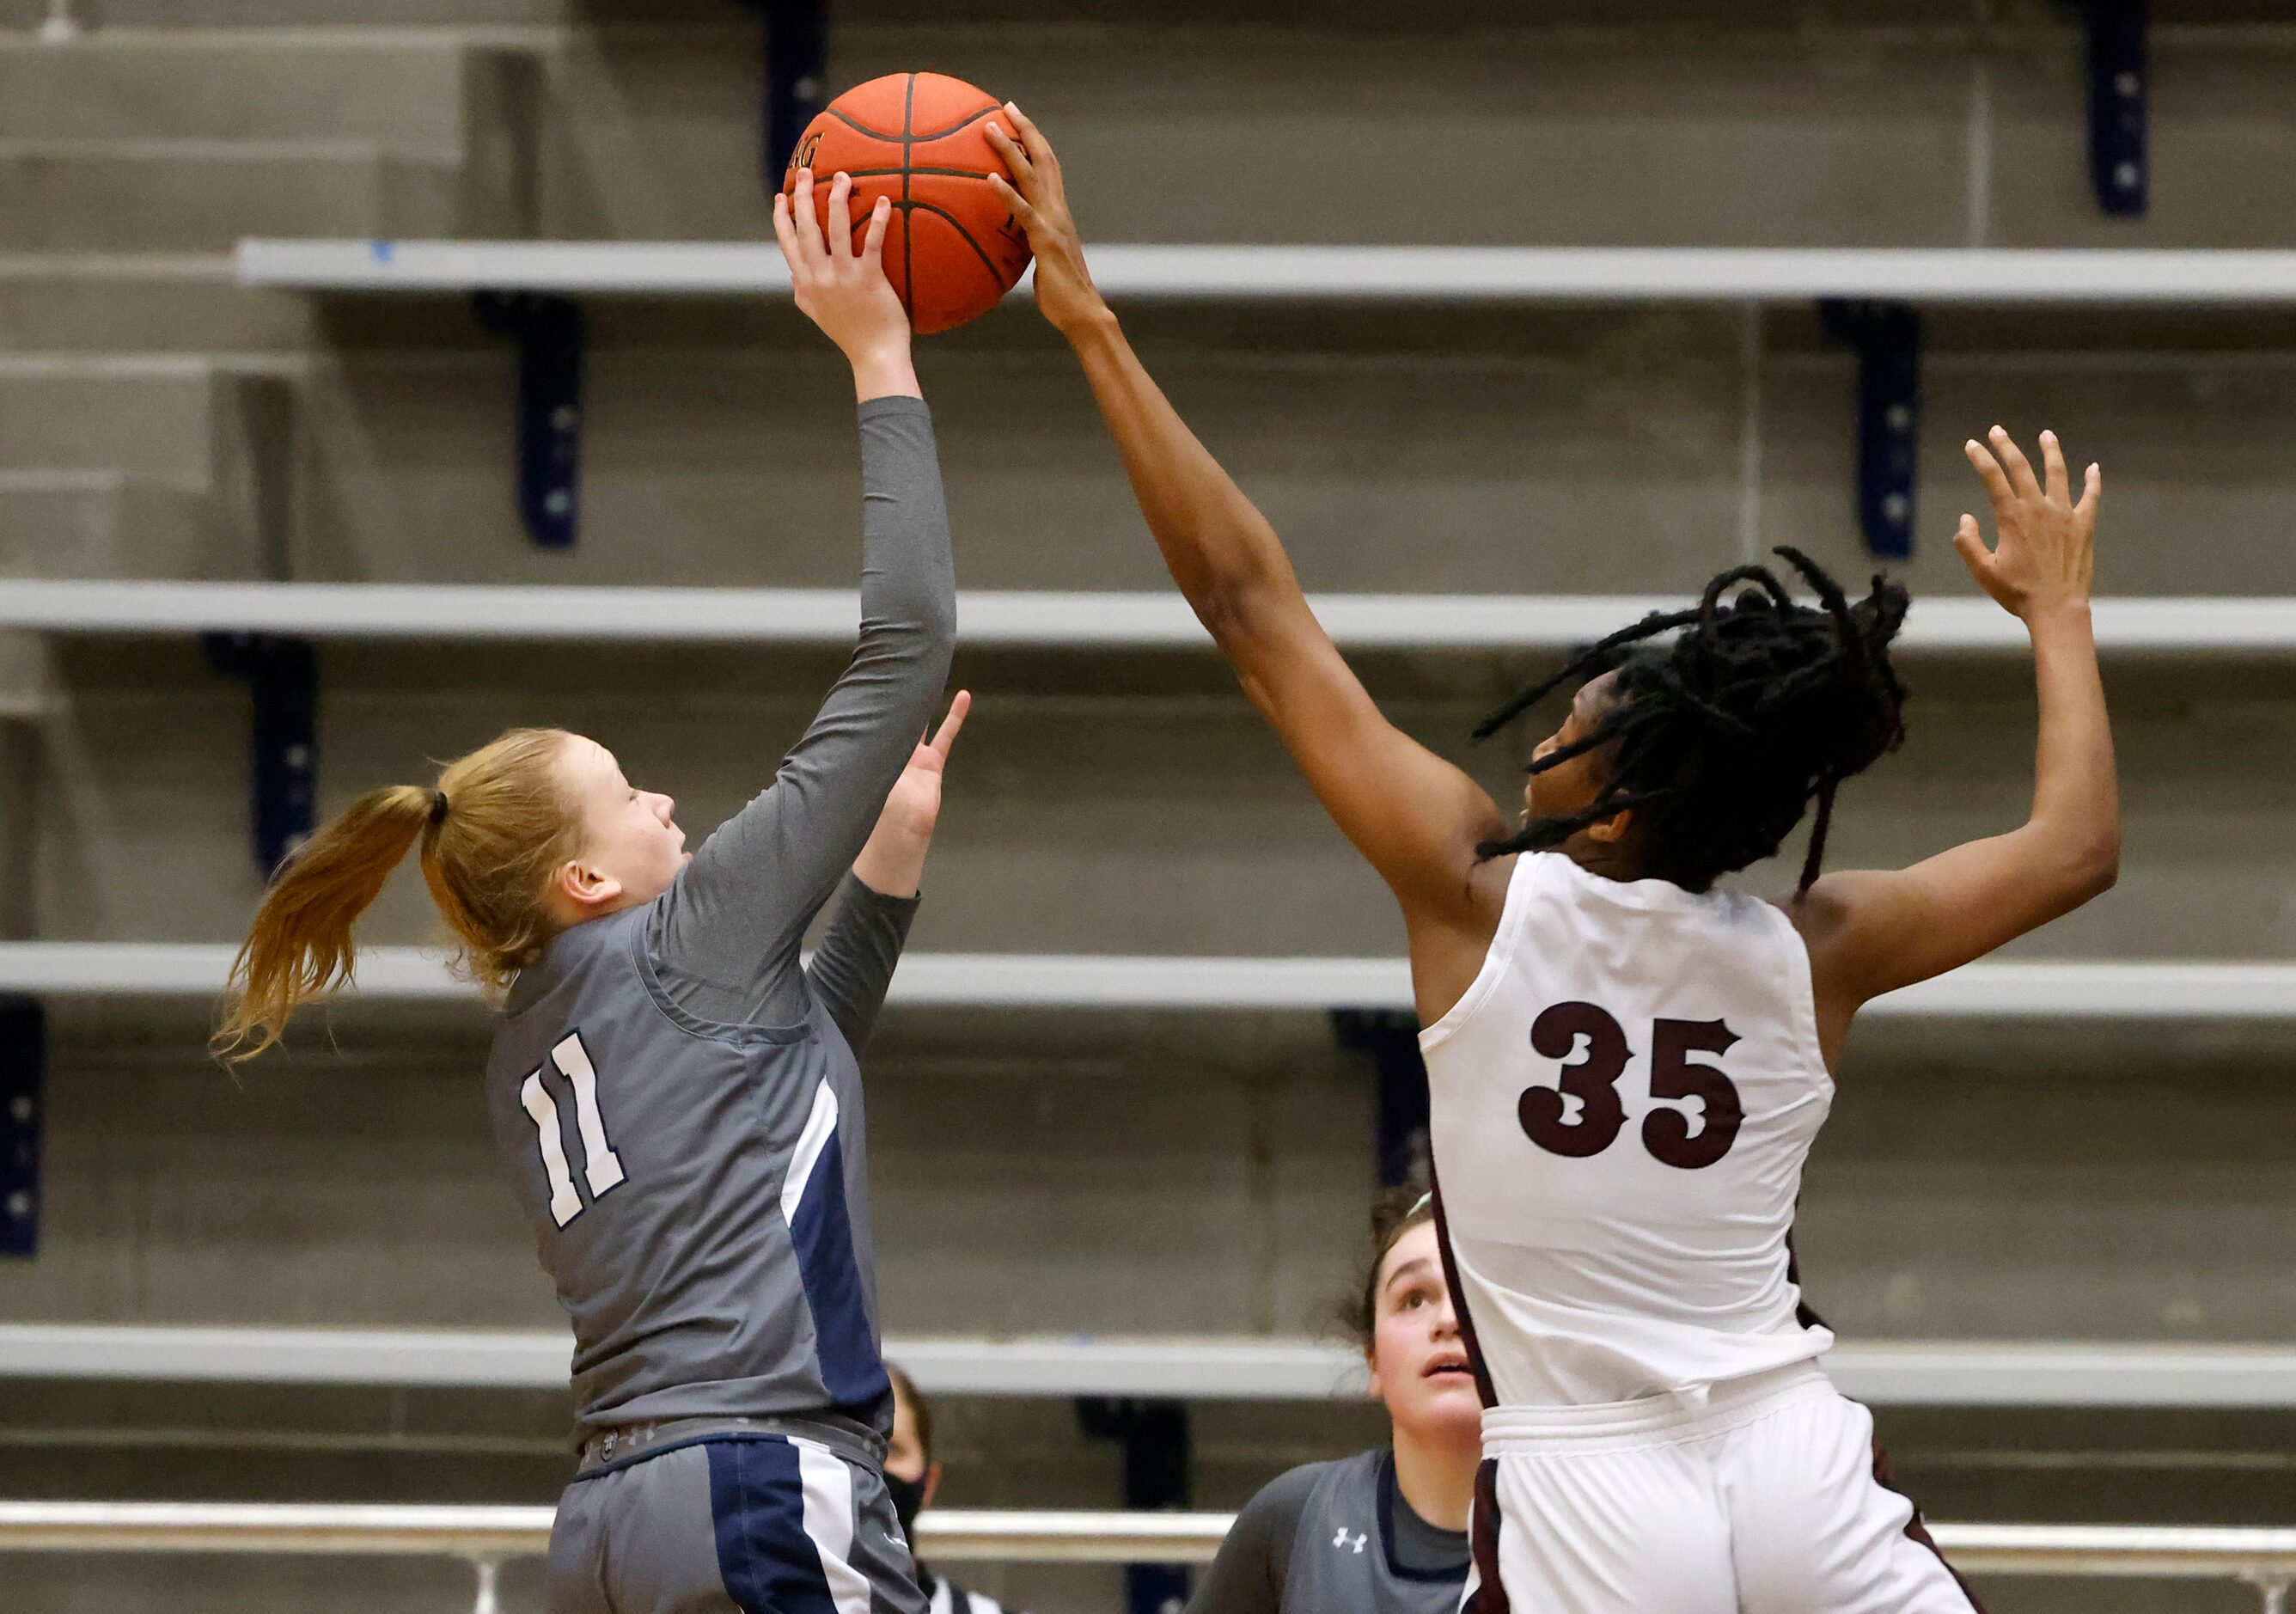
[761,1524]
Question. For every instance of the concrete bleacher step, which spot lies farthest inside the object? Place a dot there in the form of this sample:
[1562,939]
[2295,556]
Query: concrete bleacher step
[409,91]
[136,467]
[200,195]
[142,302]
[158,142]
[163,418]
[106,523]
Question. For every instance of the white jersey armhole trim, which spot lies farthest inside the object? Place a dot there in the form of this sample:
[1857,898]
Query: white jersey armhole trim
[1496,957]
[1803,989]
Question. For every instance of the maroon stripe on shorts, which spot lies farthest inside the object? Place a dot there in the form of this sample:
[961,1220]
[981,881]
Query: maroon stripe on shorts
[1483,1543]
[1916,1530]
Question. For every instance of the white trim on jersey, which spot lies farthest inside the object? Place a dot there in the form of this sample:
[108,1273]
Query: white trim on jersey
[829,1514]
[820,1126]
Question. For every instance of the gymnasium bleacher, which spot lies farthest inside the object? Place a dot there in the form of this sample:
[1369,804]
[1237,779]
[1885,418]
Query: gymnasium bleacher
[1125,1122]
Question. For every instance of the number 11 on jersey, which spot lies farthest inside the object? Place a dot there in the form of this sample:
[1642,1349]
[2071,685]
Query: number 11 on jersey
[602,1167]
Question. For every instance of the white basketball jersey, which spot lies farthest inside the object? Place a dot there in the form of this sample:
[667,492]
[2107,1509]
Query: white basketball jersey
[1620,1105]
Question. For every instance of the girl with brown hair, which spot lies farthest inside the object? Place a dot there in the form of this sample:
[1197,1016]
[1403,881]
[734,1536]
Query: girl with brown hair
[1384,1531]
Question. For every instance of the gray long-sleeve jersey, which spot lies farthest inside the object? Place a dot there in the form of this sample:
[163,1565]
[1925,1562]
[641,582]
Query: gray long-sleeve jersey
[1335,1538]
[680,1102]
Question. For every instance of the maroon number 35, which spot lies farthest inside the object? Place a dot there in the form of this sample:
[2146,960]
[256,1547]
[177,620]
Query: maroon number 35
[1593,1081]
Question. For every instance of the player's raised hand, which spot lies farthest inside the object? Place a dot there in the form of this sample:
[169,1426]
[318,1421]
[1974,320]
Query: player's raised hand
[1039,200]
[2043,552]
[845,291]
[893,862]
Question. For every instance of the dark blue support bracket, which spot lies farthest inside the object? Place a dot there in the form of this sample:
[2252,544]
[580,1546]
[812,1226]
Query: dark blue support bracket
[23,1072]
[1400,1117]
[1887,337]
[551,337]
[796,78]
[2119,166]
[282,677]
[1155,1435]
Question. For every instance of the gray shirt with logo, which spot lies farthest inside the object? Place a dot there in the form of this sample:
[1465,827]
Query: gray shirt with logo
[678,1099]
[1335,1538]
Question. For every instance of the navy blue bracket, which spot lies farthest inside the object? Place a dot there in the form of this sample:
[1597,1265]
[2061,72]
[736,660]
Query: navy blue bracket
[2119,166]
[796,78]
[23,1072]
[1887,337]
[282,677]
[1154,1436]
[551,338]
[1399,1115]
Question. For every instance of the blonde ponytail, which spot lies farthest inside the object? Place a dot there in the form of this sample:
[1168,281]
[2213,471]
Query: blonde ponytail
[494,833]
[300,948]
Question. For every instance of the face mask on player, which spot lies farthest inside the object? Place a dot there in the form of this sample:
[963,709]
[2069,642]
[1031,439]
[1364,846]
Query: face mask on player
[908,1496]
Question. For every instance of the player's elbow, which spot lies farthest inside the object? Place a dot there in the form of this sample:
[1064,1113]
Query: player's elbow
[2096,869]
[1237,609]
[936,624]
[2088,867]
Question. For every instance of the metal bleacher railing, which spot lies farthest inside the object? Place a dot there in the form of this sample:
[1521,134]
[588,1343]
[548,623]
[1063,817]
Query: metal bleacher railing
[2089,990]
[1892,1373]
[1018,618]
[487,1537]
[1724,274]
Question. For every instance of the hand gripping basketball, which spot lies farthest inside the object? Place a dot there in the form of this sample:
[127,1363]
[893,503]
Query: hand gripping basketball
[842,291]
[1038,197]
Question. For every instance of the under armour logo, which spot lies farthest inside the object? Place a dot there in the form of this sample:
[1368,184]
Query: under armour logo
[1341,1538]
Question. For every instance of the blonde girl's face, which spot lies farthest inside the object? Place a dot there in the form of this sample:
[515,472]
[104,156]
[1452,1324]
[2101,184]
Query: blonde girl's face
[632,847]
[1418,1361]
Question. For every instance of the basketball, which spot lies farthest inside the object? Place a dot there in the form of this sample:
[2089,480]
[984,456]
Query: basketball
[952,250]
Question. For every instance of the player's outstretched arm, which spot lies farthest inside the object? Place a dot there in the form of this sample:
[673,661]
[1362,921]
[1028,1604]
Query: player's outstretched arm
[731,927]
[1872,932]
[1416,817]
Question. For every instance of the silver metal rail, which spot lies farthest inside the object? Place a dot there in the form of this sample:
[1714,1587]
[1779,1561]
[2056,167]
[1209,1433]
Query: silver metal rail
[2254,989]
[1375,274]
[589,614]
[489,1536]
[1901,1372]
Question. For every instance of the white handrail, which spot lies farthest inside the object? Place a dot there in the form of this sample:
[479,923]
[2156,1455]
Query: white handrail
[2266,1557]
[1576,274]
[1159,620]
[2088,988]
[1882,1373]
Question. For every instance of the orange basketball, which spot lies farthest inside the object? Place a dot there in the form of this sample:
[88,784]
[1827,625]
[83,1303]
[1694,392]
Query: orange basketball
[951,248]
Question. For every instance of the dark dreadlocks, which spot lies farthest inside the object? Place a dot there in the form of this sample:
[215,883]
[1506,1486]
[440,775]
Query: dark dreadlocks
[1722,736]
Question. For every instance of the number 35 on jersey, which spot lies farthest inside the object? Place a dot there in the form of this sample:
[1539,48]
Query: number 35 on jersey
[1695,1113]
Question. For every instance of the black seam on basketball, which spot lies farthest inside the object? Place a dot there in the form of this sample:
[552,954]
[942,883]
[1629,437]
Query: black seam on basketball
[857,126]
[908,240]
[888,173]
[966,122]
[964,234]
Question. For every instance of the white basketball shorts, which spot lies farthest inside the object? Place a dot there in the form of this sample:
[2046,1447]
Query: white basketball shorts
[1767,1495]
